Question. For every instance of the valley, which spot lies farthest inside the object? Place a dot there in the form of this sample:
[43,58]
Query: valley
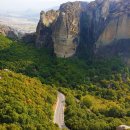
[22,25]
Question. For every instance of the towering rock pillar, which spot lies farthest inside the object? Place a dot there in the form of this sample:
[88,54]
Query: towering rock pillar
[66,30]
[44,29]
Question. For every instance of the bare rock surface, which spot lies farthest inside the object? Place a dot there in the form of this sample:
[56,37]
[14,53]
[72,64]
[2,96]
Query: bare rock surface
[88,28]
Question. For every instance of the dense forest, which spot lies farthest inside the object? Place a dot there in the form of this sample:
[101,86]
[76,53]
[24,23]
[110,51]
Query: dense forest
[25,103]
[97,91]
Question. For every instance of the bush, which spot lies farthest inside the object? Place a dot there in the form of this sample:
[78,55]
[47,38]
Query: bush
[86,101]
[116,112]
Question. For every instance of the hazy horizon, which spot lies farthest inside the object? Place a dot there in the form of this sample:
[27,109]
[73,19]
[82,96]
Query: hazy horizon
[23,5]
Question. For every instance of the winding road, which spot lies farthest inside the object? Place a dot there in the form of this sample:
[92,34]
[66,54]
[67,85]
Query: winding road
[59,111]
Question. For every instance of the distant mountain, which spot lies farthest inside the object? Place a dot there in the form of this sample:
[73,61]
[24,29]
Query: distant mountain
[24,22]
[19,22]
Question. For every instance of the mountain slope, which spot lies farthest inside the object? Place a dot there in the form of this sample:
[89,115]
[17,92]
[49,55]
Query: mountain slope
[25,103]
[90,86]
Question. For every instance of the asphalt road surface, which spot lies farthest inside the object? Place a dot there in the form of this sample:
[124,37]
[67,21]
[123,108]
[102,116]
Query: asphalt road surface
[59,111]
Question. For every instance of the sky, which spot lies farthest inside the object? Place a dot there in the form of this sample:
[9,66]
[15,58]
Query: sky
[36,5]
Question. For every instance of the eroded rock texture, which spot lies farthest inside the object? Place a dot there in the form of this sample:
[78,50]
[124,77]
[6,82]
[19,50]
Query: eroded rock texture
[92,22]
[44,29]
[83,28]
[118,26]
[66,29]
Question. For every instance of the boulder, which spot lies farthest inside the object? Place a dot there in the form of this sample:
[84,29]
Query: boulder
[123,127]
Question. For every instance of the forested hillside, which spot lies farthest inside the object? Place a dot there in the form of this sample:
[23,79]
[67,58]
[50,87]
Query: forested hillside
[25,103]
[97,91]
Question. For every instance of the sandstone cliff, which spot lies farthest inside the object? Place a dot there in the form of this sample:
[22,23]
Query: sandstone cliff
[88,28]
[44,28]
[118,26]
[66,29]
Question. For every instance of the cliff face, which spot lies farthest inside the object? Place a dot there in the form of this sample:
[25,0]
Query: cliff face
[44,28]
[118,26]
[66,30]
[92,22]
[81,27]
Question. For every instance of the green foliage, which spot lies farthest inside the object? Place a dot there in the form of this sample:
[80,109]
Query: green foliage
[116,112]
[87,101]
[25,103]
[97,91]
[33,62]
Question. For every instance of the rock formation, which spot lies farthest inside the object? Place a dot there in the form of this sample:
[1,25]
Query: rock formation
[66,29]
[61,29]
[16,35]
[123,127]
[81,27]
[118,27]
[28,38]
[44,28]
[9,32]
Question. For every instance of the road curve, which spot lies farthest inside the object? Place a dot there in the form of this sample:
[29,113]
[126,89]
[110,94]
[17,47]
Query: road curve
[59,111]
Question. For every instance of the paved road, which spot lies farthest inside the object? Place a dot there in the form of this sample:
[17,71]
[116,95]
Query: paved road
[59,111]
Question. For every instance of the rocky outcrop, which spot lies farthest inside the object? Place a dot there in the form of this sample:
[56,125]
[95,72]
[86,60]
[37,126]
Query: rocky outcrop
[8,31]
[28,38]
[115,38]
[16,35]
[92,22]
[66,30]
[44,29]
[118,26]
[61,29]
[123,127]
[85,28]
